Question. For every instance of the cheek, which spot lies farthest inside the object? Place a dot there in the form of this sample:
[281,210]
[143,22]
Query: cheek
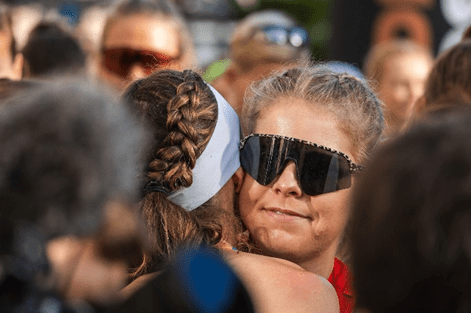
[249,195]
[334,208]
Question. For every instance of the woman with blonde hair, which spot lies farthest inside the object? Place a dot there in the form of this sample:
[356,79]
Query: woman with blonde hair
[310,131]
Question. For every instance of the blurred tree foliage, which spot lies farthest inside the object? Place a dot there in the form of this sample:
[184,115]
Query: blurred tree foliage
[314,15]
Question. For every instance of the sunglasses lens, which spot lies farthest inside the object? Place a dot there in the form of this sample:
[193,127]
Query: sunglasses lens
[276,35]
[298,37]
[120,60]
[319,171]
[323,172]
[252,161]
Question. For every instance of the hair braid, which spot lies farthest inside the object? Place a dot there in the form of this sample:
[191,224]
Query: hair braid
[186,138]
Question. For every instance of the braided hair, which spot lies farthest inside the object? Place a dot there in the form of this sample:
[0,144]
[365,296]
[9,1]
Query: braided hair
[181,112]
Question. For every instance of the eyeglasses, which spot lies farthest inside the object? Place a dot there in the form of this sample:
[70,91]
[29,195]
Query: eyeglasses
[120,60]
[295,36]
[319,169]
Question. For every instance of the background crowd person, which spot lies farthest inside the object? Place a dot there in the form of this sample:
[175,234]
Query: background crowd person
[398,71]
[410,232]
[196,132]
[50,51]
[11,62]
[449,80]
[262,43]
[89,32]
[68,174]
[309,130]
[141,36]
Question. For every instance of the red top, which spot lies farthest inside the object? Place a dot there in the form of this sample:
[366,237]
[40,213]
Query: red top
[341,280]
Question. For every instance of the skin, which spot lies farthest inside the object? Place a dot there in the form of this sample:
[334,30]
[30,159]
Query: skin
[402,83]
[282,220]
[275,285]
[9,68]
[141,32]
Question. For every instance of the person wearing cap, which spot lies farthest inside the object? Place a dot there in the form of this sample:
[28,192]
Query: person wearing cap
[262,43]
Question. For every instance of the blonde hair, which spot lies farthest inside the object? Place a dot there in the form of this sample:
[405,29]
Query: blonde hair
[357,109]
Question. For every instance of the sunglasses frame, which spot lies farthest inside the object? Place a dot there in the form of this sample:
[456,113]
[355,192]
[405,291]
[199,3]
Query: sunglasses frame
[354,168]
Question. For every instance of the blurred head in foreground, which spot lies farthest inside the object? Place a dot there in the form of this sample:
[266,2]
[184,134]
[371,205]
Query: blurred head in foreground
[399,69]
[68,174]
[141,36]
[262,43]
[411,215]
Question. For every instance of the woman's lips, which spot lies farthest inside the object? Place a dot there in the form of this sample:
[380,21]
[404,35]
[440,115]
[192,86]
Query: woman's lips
[283,214]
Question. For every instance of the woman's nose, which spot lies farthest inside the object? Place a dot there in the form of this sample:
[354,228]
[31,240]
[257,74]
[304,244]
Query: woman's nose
[287,183]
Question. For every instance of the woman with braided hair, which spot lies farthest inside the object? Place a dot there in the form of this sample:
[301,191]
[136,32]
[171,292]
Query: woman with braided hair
[309,129]
[190,184]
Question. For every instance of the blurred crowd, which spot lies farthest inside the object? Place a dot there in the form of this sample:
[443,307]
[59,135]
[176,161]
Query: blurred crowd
[128,183]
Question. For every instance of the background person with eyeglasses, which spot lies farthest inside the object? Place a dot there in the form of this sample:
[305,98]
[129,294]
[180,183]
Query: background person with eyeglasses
[141,36]
[262,43]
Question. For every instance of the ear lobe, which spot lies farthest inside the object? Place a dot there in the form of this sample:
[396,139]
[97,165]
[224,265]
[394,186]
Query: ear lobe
[238,179]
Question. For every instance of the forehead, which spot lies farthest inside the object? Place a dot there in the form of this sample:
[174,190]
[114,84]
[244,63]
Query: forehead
[409,64]
[300,119]
[146,32]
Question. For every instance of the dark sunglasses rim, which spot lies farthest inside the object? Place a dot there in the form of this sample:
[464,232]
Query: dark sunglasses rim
[354,168]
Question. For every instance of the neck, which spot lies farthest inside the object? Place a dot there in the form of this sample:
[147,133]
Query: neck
[321,265]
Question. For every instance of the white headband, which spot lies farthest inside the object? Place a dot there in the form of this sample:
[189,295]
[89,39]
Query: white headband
[218,162]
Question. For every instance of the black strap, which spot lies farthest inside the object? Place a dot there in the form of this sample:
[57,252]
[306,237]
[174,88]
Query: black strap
[156,186]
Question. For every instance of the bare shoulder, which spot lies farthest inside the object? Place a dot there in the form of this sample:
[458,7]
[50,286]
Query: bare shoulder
[281,286]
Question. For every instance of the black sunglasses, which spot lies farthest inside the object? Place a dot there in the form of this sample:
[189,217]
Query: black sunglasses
[319,169]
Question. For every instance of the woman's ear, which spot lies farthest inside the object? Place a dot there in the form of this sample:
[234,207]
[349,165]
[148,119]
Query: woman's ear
[238,179]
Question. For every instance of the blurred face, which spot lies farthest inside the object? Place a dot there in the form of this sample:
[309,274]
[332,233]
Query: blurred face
[402,83]
[284,221]
[144,39]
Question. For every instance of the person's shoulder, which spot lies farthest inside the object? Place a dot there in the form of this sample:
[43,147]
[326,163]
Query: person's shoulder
[279,285]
